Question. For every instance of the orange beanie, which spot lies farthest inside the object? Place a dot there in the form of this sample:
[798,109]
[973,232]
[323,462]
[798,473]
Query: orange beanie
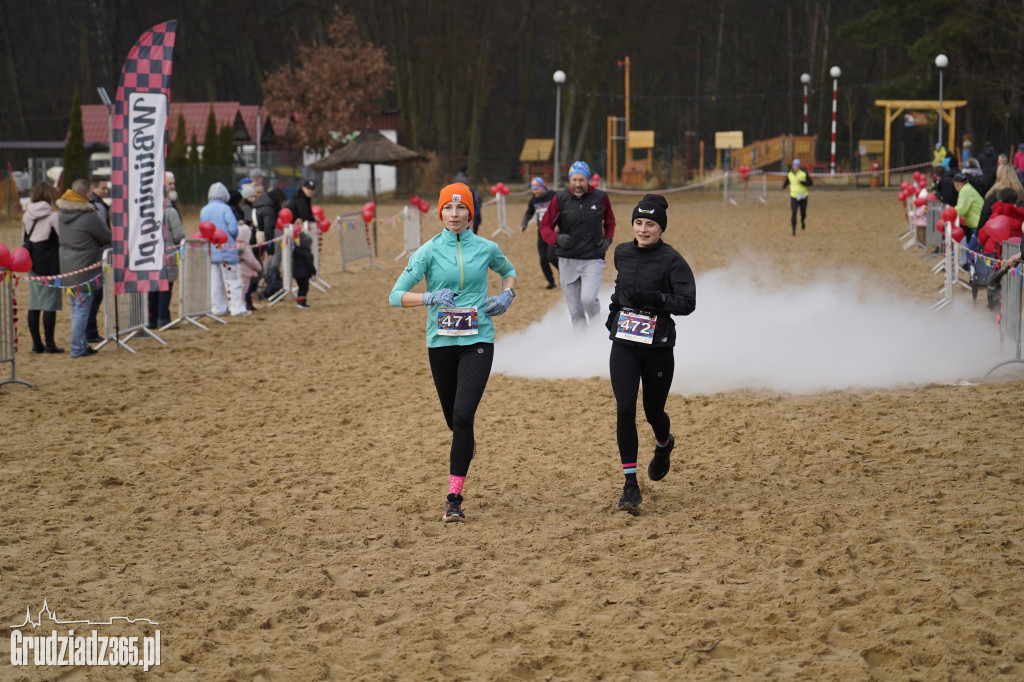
[456,192]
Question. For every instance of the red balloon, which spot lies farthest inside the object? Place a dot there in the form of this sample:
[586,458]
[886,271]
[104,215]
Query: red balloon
[197,235]
[949,214]
[424,206]
[931,197]
[367,216]
[318,212]
[904,185]
[219,237]
[920,201]
[296,231]
[415,200]
[285,216]
[206,228]
[902,196]
[957,233]
[370,206]
[5,256]
[324,224]
[494,189]
[505,190]
[21,261]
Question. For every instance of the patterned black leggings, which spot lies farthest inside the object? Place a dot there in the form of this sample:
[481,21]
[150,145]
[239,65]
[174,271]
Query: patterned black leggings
[460,377]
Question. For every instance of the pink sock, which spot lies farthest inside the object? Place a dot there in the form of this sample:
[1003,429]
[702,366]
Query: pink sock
[455,484]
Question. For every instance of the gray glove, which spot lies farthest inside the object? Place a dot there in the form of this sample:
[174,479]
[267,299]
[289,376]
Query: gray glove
[496,305]
[444,297]
[563,241]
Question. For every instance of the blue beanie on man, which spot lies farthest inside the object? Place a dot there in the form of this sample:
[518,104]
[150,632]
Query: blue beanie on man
[580,168]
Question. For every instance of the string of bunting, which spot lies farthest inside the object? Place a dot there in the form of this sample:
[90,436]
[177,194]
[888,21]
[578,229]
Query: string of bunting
[994,263]
[54,281]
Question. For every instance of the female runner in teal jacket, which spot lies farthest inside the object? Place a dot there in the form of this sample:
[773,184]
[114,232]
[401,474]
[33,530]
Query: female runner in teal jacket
[460,333]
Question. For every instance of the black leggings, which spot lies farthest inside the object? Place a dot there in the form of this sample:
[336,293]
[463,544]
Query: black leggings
[460,377]
[794,204]
[547,258]
[629,365]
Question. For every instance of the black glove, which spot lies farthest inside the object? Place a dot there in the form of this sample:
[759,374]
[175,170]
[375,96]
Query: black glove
[646,299]
[605,243]
[563,241]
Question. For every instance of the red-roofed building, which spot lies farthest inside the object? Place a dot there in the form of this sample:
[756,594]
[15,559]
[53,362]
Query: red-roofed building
[240,117]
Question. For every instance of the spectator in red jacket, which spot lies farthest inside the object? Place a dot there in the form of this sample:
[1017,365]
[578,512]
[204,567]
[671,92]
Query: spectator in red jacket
[1004,224]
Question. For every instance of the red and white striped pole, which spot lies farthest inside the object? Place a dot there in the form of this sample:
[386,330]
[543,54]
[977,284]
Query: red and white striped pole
[805,78]
[835,72]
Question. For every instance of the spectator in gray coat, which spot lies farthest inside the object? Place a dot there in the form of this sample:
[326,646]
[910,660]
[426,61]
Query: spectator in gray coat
[83,235]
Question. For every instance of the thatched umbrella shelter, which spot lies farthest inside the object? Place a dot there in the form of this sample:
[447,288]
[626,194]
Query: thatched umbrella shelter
[373,148]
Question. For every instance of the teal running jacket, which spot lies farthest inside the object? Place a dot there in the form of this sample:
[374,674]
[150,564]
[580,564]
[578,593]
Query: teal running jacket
[460,263]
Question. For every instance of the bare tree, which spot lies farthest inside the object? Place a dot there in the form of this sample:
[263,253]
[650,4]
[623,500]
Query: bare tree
[332,87]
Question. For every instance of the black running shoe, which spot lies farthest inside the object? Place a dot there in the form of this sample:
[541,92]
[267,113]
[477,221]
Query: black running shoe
[658,467]
[631,498]
[453,509]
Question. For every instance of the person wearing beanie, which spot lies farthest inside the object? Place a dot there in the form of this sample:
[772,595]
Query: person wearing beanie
[461,176]
[797,180]
[224,273]
[538,205]
[460,329]
[302,202]
[585,224]
[250,193]
[303,268]
[653,282]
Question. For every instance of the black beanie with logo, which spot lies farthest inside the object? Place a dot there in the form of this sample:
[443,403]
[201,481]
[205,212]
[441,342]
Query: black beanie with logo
[653,207]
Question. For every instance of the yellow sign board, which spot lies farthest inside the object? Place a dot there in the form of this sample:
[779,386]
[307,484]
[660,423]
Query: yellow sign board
[729,139]
[866,147]
[537,150]
[640,139]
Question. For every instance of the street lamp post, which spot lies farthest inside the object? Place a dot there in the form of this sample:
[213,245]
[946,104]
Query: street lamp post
[805,78]
[835,72]
[559,78]
[942,61]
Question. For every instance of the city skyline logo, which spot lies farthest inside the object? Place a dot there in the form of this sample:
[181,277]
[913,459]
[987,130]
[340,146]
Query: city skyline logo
[68,649]
[52,617]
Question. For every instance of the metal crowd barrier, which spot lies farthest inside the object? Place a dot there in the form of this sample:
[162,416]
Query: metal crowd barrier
[1010,307]
[503,227]
[355,241]
[194,285]
[950,265]
[932,236]
[286,269]
[316,280]
[124,315]
[7,330]
[753,176]
[411,231]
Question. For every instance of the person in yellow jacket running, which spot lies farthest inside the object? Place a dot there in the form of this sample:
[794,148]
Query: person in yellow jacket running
[797,180]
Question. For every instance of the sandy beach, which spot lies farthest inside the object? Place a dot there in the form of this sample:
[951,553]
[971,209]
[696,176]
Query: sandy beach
[844,503]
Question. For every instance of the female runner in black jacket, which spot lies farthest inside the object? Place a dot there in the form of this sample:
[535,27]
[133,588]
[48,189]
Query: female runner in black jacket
[653,283]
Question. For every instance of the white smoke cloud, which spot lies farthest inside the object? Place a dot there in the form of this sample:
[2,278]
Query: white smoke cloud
[827,334]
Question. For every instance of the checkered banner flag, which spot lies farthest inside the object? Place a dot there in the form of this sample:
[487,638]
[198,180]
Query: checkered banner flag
[137,162]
